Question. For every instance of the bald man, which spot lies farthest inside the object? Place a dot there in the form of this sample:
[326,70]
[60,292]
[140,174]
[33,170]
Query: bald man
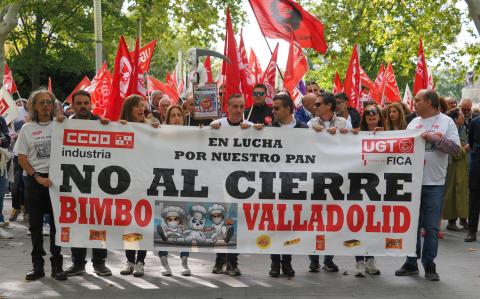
[307,111]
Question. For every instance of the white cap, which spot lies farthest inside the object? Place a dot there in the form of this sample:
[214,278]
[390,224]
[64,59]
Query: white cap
[172,211]
[216,209]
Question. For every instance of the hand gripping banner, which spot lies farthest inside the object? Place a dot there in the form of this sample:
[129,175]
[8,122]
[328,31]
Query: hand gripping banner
[277,190]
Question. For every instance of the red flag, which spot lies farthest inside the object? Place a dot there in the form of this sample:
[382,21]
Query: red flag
[390,90]
[254,66]
[230,70]
[99,90]
[379,79]
[145,55]
[137,83]
[277,18]
[421,74]
[367,82]
[121,80]
[49,84]
[408,98]
[8,81]
[268,77]
[337,84]
[352,80]
[154,84]
[172,83]
[297,66]
[84,83]
[208,68]
[247,82]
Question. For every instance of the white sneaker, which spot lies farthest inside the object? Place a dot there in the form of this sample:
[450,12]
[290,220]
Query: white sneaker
[360,269]
[46,230]
[127,269]
[166,271]
[185,270]
[372,267]
[138,269]
[4,234]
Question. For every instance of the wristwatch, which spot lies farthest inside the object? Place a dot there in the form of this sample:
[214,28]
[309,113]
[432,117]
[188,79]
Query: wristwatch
[35,174]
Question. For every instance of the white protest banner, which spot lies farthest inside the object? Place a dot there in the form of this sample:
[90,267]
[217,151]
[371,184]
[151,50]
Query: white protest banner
[8,108]
[290,191]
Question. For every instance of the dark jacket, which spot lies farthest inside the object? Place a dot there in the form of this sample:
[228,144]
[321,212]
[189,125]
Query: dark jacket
[260,115]
[4,134]
[474,142]
[355,117]
[302,115]
[299,124]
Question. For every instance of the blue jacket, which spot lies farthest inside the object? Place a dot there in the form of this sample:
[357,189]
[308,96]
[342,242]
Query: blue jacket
[302,115]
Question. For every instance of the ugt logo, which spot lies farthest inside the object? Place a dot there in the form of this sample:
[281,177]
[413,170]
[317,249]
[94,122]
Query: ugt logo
[3,106]
[388,146]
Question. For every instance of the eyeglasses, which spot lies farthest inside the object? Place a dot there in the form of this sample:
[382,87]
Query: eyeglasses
[371,112]
[318,104]
[220,93]
[258,93]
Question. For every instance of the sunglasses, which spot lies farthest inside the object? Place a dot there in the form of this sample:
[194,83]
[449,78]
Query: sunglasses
[258,93]
[371,112]
[318,104]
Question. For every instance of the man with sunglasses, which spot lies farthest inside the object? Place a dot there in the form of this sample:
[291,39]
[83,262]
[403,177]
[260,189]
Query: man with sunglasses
[307,111]
[346,112]
[441,139]
[260,113]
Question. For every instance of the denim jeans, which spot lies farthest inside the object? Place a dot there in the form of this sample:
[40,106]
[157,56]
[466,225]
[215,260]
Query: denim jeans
[3,190]
[431,203]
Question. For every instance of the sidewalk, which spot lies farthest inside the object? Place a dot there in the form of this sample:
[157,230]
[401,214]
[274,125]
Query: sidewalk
[458,265]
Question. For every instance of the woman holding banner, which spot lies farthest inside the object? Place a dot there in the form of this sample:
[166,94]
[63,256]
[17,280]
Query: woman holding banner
[174,116]
[133,110]
[373,121]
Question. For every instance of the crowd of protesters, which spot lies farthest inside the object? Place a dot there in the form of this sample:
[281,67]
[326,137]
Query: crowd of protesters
[449,192]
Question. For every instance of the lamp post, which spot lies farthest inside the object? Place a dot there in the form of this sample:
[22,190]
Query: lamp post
[97,23]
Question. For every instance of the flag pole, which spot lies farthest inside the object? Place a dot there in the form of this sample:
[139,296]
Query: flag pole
[18,94]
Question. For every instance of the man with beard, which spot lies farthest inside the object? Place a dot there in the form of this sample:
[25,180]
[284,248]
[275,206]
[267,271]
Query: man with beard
[82,105]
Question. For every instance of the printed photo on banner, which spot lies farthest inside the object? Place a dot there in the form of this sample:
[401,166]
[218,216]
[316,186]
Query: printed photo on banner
[204,224]
[206,101]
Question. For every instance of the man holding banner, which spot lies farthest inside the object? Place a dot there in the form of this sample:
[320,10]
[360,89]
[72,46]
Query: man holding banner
[442,139]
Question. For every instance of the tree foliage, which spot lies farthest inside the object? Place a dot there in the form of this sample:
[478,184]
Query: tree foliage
[386,31]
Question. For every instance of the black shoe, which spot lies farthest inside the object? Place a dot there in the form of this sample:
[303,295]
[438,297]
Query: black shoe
[75,269]
[431,273]
[102,270]
[58,273]
[274,269]
[314,265]
[233,270]
[218,267]
[35,274]
[471,237]
[287,269]
[407,270]
[330,266]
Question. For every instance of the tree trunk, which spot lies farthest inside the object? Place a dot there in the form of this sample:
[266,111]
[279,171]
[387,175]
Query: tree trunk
[8,21]
[474,10]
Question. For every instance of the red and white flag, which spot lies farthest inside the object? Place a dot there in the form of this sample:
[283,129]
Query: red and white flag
[268,78]
[99,90]
[422,79]
[208,68]
[246,79]
[337,84]
[49,84]
[84,83]
[8,108]
[137,82]
[122,74]
[408,98]
[154,84]
[297,66]
[231,71]
[367,82]
[390,90]
[172,83]
[352,84]
[255,66]
[8,81]
[277,18]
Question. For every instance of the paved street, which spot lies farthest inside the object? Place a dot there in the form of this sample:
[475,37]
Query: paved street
[458,265]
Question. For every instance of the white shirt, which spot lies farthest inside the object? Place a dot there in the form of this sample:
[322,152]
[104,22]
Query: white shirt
[224,122]
[340,123]
[292,124]
[34,141]
[436,162]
